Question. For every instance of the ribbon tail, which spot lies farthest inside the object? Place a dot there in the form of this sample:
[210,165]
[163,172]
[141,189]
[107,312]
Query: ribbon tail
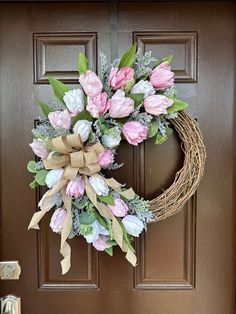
[65,249]
[46,203]
[131,257]
[36,219]
[106,213]
[128,194]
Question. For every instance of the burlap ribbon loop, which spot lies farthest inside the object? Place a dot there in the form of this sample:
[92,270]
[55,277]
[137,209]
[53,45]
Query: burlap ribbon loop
[70,153]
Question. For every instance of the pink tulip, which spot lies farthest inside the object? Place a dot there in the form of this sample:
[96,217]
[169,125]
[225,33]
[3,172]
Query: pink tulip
[75,187]
[60,119]
[106,158]
[157,104]
[91,83]
[120,77]
[101,243]
[39,149]
[134,132]
[58,219]
[120,209]
[162,76]
[121,106]
[98,105]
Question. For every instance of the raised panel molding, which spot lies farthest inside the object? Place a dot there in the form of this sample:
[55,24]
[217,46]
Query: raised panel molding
[84,272]
[149,274]
[56,54]
[182,45]
[187,281]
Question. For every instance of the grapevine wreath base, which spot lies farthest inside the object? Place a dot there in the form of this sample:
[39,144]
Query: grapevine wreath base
[187,180]
[134,99]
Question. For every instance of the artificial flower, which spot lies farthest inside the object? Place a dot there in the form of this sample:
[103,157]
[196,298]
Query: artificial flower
[99,185]
[162,77]
[144,87]
[120,77]
[133,225]
[119,209]
[53,177]
[134,132]
[60,119]
[75,187]
[157,104]
[58,219]
[39,148]
[74,100]
[97,229]
[100,243]
[91,83]
[98,105]
[83,128]
[121,106]
[112,137]
[106,158]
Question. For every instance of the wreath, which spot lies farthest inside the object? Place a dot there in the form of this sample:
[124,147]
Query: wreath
[133,99]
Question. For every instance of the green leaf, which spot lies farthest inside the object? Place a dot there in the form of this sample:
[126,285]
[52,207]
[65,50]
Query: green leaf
[45,108]
[41,176]
[58,87]
[82,63]
[109,251]
[83,115]
[107,199]
[168,59]
[152,131]
[160,139]
[33,185]
[31,166]
[86,219]
[128,58]
[125,236]
[101,220]
[137,98]
[101,119]
[177,106]
[103,128]
[169,131]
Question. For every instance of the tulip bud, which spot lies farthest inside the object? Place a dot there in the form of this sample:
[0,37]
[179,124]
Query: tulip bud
[112,137]
[53,177]
[133,225]
[39,149]
[60,119]
[83,128]
[144,87]
[74,100]
[58,219]
[99,185]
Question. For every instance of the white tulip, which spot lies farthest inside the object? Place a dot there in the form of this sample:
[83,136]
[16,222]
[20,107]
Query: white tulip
[83,128]
[93,236]
[53,177]
[97,229]
[99,185]
[144,87]
[111,138]
[74,100]
[133,225]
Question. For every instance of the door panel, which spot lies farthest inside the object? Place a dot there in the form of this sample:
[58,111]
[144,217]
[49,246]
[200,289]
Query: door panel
[185,264]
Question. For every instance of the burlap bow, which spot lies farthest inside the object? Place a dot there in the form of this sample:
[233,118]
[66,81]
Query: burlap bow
[70,153]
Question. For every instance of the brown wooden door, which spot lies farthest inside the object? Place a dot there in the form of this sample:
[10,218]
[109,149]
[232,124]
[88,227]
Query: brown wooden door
[185,264]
